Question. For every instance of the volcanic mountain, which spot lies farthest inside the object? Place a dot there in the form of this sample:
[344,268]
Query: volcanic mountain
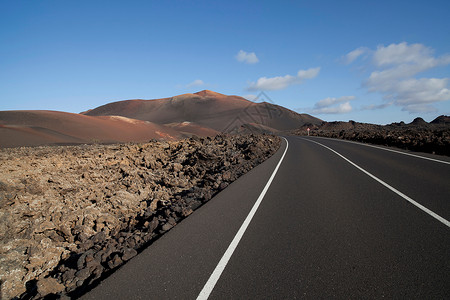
[207,109]
[40,127]
[205,113]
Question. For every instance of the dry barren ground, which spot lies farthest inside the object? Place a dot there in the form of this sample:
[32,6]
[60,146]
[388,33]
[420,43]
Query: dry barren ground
[68,215]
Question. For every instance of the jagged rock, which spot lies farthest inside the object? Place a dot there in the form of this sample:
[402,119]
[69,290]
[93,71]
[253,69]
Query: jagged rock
[115,262]
[166,227]
[176,167]
[79,211]
[68,275]
[85,258]
[128,253]
[49,286]
[99,237]
[83,274]
[223,185]
[153,225]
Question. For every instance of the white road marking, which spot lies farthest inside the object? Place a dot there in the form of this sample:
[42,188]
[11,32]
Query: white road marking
[391,150]
[209,286]
[418,205]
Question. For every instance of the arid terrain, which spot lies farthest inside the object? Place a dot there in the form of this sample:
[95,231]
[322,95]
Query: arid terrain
[205,113]
[99,186]
[70,214]
[433,137]
[208,109]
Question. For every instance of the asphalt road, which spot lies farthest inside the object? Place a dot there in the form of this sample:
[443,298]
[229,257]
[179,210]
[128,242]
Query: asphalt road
[326,228]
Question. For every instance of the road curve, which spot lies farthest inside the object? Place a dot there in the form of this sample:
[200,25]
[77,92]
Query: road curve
[324,229]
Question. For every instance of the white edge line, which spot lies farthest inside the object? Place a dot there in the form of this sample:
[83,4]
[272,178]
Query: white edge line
[418,205]
[387,149]
[209,286]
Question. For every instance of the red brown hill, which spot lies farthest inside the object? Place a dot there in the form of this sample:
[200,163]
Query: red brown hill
[205,113]
[189,129]
[208,109]
[33,128]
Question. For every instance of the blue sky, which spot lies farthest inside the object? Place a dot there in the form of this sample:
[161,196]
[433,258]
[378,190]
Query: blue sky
[368,61]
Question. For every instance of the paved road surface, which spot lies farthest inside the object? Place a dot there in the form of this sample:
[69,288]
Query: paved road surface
[324,229]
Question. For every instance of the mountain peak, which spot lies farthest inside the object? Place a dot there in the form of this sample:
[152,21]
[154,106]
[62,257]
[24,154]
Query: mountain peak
[418,121]
[209,93]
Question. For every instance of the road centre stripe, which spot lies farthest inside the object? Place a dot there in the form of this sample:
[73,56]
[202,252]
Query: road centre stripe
[418,205]
[209,286]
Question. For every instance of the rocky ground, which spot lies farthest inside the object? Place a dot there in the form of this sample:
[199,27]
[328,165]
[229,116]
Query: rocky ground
[69,215]
[433,137]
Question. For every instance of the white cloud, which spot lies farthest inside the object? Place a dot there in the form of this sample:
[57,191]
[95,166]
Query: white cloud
[197,82]
[420,108]
[340,109]
[396,66]
[398,61]
[333,105]
[308,74]
[273,83]
[353,55]
[421,91]
[248,58]
[332,101]
[375,107]
[402,53]
[384,79]
[282,82]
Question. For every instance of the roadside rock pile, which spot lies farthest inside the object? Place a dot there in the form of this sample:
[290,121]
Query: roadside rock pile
[68,215]
[433,137]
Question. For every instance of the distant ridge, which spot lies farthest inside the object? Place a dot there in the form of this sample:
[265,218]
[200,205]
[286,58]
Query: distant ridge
[205,113]
[208,109]
[441,120]
[40,127]
[419,135]
[419,121]
[208,93]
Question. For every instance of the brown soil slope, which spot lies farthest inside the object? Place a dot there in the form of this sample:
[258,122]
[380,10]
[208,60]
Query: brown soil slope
[208,109]
[33,128]
[188,129]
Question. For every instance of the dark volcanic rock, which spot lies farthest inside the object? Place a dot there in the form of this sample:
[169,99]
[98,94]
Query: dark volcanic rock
[49,286]
[115,262]
[433,137]
[419,122]
[128,253]
[441,120]
[73,213]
